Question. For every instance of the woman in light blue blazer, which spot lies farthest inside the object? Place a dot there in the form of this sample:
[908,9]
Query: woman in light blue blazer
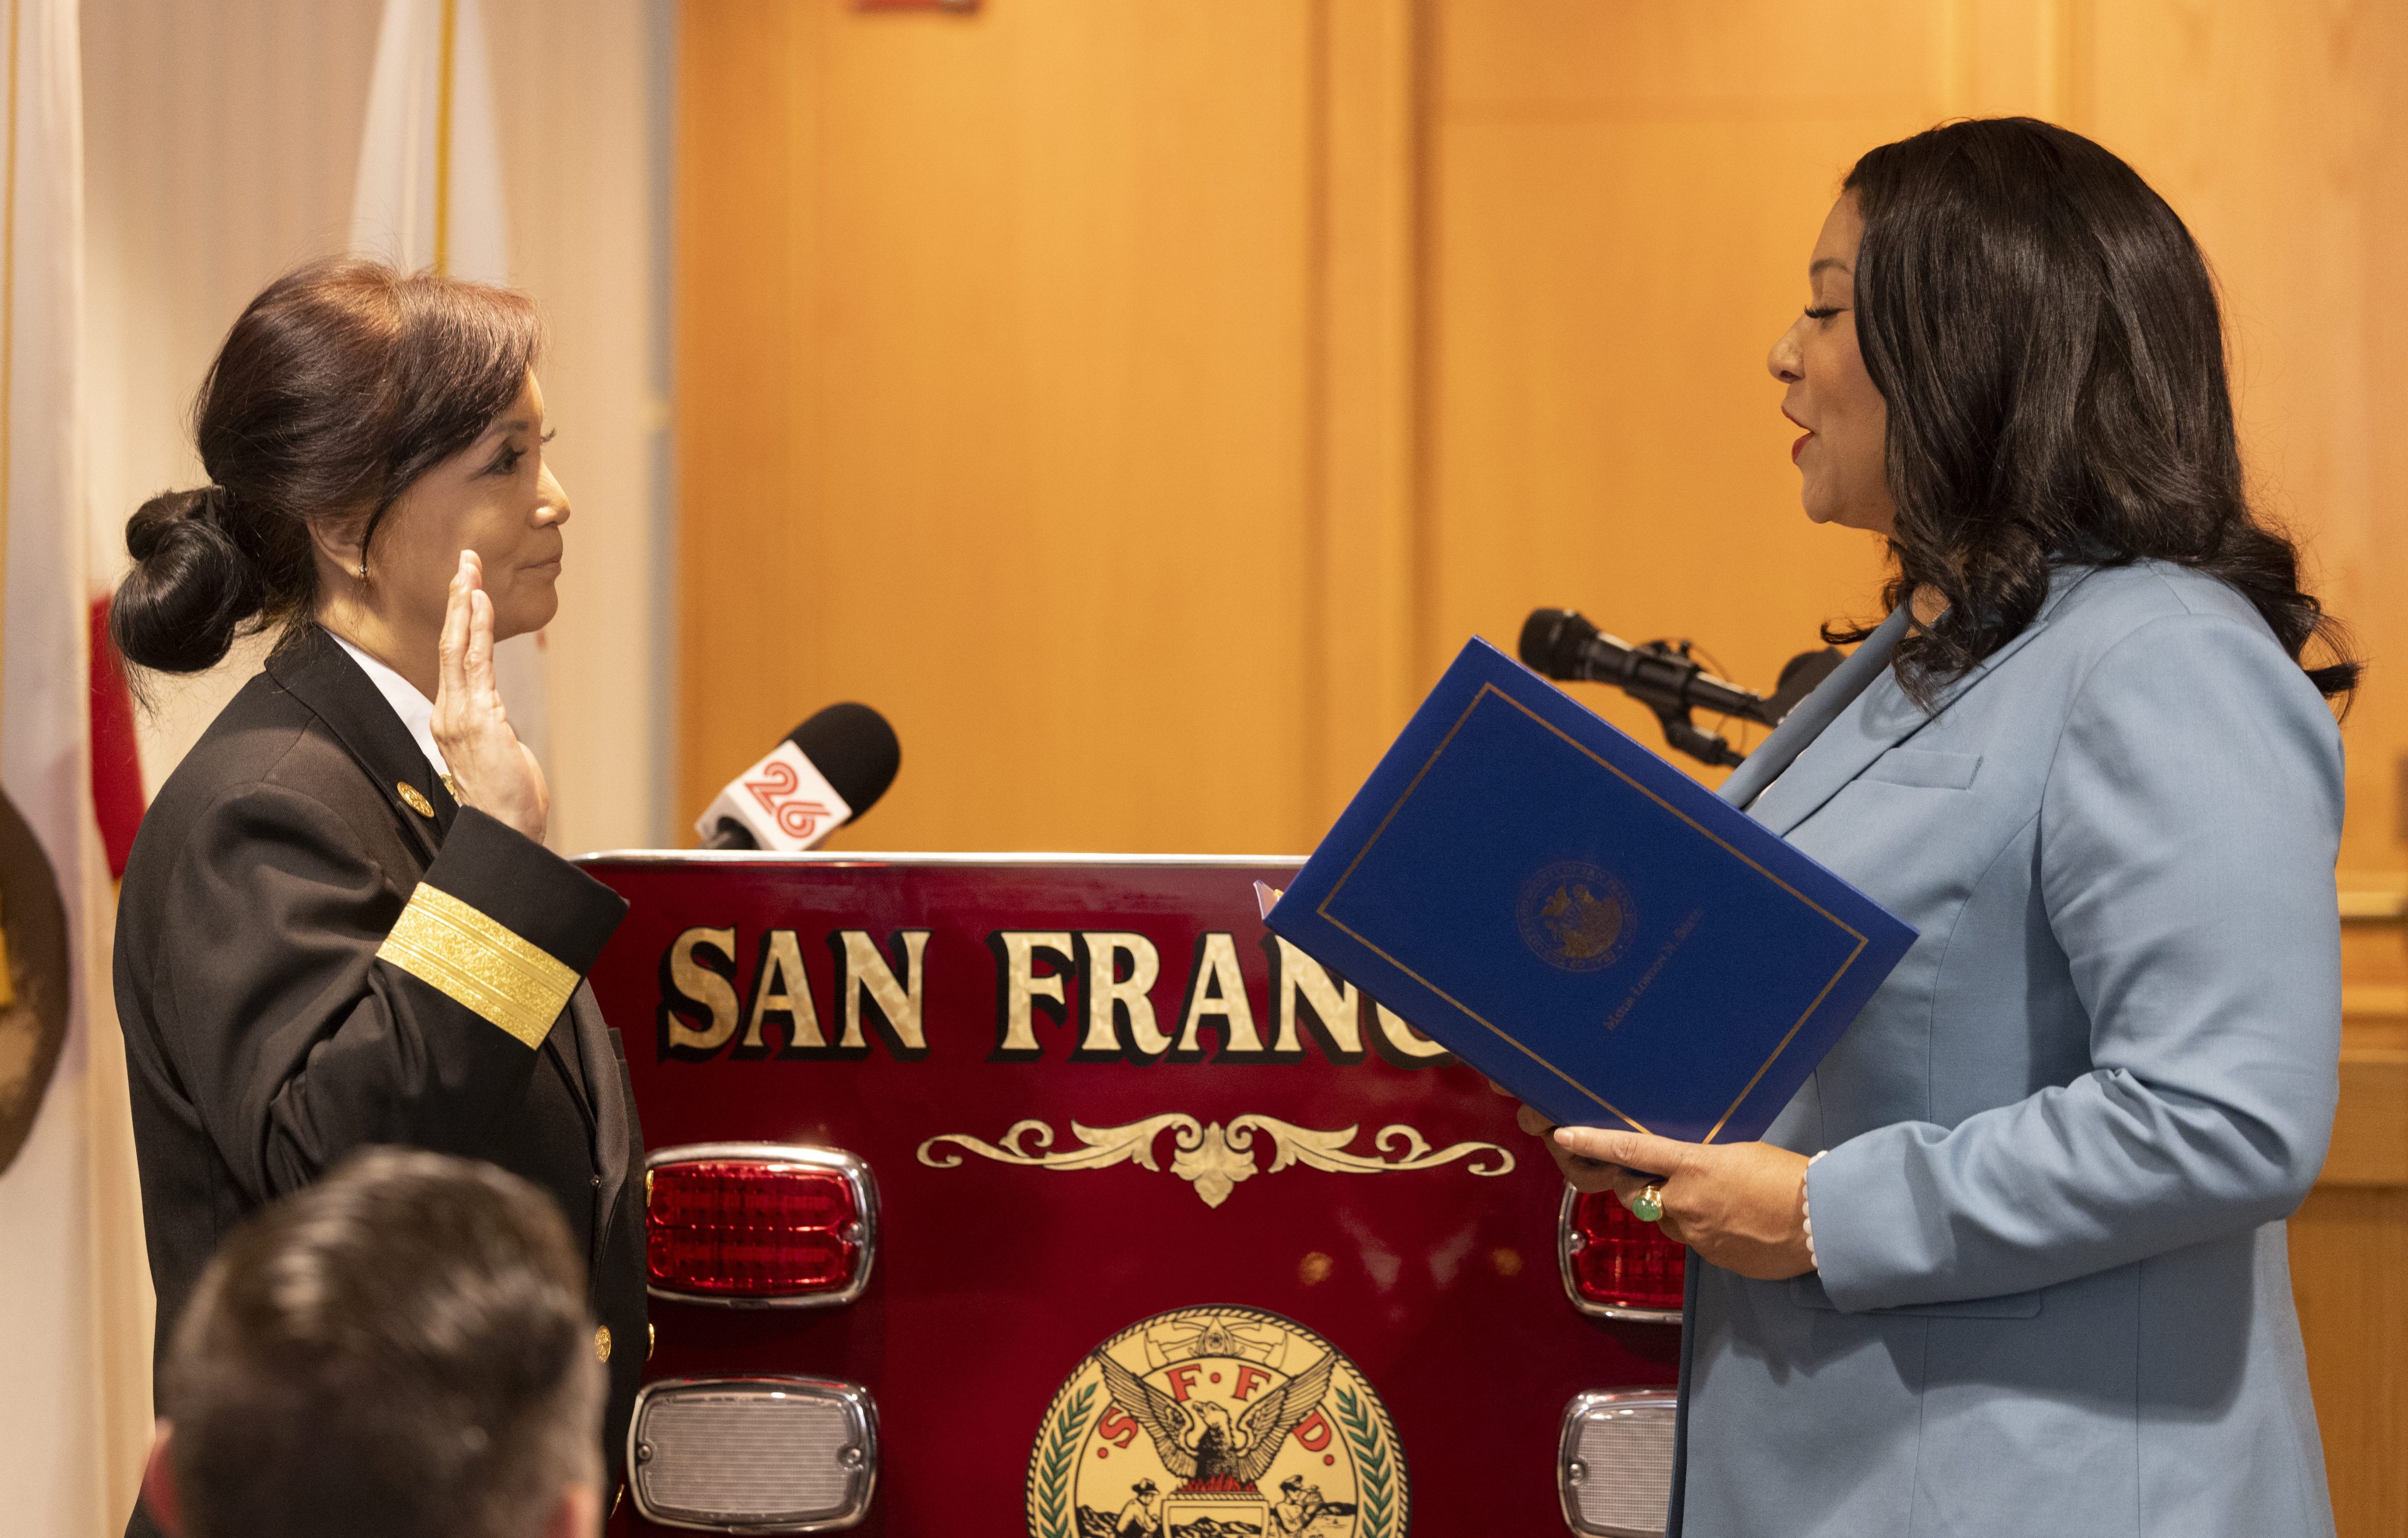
[2013,1262]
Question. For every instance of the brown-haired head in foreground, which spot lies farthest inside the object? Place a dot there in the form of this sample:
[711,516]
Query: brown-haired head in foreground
[400,1351]
[339,385]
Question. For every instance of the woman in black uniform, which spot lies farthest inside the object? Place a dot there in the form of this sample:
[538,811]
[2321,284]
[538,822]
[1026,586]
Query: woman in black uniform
[340,924]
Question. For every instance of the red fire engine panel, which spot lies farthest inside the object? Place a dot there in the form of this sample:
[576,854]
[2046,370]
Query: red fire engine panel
[1121,1145]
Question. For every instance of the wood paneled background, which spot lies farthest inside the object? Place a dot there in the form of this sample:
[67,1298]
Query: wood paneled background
[1141,403]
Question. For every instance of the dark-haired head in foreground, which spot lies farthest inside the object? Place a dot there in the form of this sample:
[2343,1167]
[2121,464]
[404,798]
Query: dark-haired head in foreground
[400,1351]
[2046,337]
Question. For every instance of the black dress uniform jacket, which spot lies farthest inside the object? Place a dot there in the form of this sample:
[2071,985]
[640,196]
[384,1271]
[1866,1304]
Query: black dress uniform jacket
[318,949]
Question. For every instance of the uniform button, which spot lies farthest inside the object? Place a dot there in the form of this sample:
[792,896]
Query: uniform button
[602,1343]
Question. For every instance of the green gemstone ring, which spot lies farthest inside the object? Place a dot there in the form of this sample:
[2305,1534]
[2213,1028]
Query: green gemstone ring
[1648,1205]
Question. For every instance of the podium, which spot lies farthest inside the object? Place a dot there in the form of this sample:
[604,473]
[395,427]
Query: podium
[1064,1131]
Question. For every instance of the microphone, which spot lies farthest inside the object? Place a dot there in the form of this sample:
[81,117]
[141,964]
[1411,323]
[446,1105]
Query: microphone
[1559,643]
[827,772]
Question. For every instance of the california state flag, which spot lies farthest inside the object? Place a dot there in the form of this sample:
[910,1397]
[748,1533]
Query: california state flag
[74,1307]
[429,195]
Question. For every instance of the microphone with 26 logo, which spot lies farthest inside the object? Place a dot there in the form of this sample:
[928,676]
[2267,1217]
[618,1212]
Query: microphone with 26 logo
[829,771]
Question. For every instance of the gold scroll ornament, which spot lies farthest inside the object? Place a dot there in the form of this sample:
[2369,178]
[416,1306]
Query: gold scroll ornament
[1212,1156]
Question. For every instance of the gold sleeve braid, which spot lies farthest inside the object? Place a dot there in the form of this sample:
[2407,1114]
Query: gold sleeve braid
[466,956]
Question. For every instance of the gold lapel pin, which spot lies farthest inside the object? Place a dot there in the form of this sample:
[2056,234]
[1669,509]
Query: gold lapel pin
[410,797]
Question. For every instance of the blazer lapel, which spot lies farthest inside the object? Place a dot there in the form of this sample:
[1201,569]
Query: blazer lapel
[1813,715]
[317,672]
[1878,720]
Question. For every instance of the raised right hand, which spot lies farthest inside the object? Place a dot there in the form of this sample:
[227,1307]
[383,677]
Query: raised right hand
[491,768]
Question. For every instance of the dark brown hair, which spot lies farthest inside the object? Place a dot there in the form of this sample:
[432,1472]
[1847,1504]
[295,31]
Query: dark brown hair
[400,1351]
[339,385]
[2047,337]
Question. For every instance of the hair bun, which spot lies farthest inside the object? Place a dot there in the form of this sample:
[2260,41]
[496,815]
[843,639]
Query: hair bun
[191,586]
[155,522]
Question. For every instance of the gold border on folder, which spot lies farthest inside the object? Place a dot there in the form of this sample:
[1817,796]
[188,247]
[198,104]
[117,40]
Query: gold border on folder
[1377,833]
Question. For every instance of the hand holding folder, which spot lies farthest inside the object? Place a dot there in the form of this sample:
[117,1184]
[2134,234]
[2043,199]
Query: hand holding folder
[1737,1203]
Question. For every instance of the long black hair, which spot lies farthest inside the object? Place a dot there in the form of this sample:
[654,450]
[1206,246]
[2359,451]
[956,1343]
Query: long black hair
[2046,335]
[340,384]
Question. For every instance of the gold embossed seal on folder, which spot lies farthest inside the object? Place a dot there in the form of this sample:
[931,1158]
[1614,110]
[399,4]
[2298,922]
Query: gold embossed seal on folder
[1574,916]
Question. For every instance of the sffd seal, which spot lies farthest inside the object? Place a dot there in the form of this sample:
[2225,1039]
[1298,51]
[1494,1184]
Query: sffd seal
[1217,1423]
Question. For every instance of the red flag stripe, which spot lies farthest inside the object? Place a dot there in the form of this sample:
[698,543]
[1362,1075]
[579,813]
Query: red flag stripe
[117,796]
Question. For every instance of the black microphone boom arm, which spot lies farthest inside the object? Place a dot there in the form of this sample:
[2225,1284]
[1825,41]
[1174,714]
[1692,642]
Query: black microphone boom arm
[1560,644]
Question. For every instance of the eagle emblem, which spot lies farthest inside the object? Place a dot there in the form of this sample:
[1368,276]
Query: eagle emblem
[1204,1446]
[1217,1423]
[1575,916]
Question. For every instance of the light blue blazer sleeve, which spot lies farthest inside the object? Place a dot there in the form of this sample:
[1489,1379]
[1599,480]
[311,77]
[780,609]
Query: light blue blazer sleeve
[2188,826]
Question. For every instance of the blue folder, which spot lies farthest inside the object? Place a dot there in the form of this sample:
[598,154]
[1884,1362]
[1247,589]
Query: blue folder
[1581,920]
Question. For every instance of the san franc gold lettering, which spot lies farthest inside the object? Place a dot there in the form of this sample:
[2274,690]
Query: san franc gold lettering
[1022,992]
[690,980]
[1306,994]
[873,992]
[1079,996]
[1120,1008]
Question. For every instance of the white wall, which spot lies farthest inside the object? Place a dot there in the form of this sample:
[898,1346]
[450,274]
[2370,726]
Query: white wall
[585,117]
[222,137]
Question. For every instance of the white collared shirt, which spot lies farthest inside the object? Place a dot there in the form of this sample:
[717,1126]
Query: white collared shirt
[416,710]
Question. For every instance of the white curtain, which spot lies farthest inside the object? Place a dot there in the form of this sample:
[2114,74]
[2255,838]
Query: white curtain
[74,1304]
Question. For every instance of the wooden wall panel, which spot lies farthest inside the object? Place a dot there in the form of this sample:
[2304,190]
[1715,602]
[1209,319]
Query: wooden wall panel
[1625,198]
[1366,389]
[993,369]
[2276,133]
[2350,1271]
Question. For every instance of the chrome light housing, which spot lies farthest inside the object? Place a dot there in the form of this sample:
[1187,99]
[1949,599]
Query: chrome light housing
[1615,1469]
[753,1455]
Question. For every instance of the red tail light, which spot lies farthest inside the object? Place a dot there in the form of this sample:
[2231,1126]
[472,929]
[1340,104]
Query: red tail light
[758,1225]
[1616,1267]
